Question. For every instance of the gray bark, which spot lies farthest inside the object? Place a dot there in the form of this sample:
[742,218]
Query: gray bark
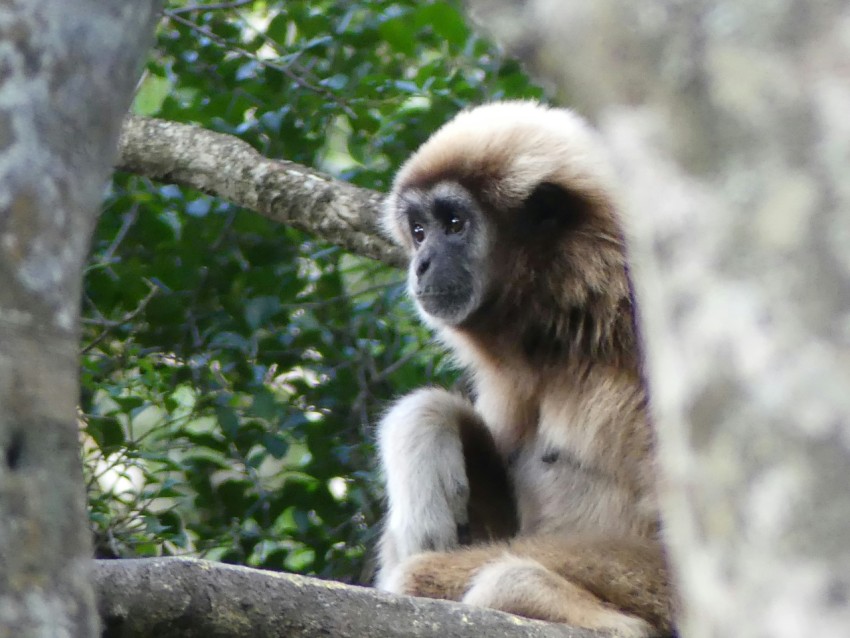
[67,69]
[189,598]
[730,124]
[227,167]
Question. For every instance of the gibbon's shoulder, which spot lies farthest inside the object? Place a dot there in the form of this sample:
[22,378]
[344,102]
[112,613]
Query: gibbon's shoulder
[506,149]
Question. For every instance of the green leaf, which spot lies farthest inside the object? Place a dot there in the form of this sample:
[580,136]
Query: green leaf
[151,94]
[228,420]
[107,431]
[446,22]
[397,34]
[154,526]
[233,495]
[276,446]
[260,309]
[264,405]
[129,403]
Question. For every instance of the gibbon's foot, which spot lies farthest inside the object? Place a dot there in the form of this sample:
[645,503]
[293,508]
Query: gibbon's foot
[443,575]
[525,587]
[423,462]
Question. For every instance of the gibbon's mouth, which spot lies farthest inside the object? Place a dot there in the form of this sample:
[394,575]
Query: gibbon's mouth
[451,304]
[442,291]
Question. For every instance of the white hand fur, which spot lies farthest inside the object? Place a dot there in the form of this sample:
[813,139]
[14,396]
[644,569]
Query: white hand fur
[427,487]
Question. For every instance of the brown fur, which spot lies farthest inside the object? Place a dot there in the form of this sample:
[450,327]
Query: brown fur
[556,370]
[626,572]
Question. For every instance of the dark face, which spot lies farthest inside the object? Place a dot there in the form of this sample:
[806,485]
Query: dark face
[449,270]
[460,250]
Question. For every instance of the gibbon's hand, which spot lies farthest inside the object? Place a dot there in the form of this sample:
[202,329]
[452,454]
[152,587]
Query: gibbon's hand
[422,458]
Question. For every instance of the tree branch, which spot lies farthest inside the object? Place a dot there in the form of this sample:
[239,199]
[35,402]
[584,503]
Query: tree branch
[227,167]
[190,598]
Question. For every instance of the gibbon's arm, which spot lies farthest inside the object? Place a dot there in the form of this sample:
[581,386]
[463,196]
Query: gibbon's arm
[446,484]
[492,503]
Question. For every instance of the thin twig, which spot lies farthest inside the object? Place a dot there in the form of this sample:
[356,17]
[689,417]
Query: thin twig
[348,296]
[127,318]
[142,78]
[215,6]
[128,220]
[395,366]
[105,262]
[288,72]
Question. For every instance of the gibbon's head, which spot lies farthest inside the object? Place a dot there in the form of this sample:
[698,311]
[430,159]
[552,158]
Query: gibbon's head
[507,211]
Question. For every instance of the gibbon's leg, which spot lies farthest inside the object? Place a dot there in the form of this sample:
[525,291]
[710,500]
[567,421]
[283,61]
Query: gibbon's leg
[619,584]
[524,587]
[424,441]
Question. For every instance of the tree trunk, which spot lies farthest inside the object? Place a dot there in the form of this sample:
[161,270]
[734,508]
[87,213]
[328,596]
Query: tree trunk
[728,120]
[68,69]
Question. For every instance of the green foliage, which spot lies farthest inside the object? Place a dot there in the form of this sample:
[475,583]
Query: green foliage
[233,368]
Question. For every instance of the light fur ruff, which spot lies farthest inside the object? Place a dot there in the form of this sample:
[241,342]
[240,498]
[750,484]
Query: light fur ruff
[550,470]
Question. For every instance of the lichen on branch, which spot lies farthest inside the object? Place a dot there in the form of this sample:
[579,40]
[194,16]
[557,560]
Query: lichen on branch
[286,192]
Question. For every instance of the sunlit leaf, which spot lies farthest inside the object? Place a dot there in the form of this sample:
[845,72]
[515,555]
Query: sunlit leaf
[151,94]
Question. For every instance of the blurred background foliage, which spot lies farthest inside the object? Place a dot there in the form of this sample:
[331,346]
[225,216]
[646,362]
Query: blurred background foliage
[233,368]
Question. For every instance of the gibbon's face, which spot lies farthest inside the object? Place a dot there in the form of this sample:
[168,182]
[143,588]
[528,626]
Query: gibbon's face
[460,247]
[449,274]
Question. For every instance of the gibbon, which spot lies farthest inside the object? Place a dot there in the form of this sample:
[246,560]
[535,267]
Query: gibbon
[537,496]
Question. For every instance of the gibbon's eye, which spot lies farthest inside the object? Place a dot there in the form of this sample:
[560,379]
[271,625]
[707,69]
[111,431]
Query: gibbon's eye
[449,211]
[455,225]
[418,232]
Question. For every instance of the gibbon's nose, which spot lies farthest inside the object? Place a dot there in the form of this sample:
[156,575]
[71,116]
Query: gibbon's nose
[422,266]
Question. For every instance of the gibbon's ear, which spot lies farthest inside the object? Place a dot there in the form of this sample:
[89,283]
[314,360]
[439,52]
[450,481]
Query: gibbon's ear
[551,208]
